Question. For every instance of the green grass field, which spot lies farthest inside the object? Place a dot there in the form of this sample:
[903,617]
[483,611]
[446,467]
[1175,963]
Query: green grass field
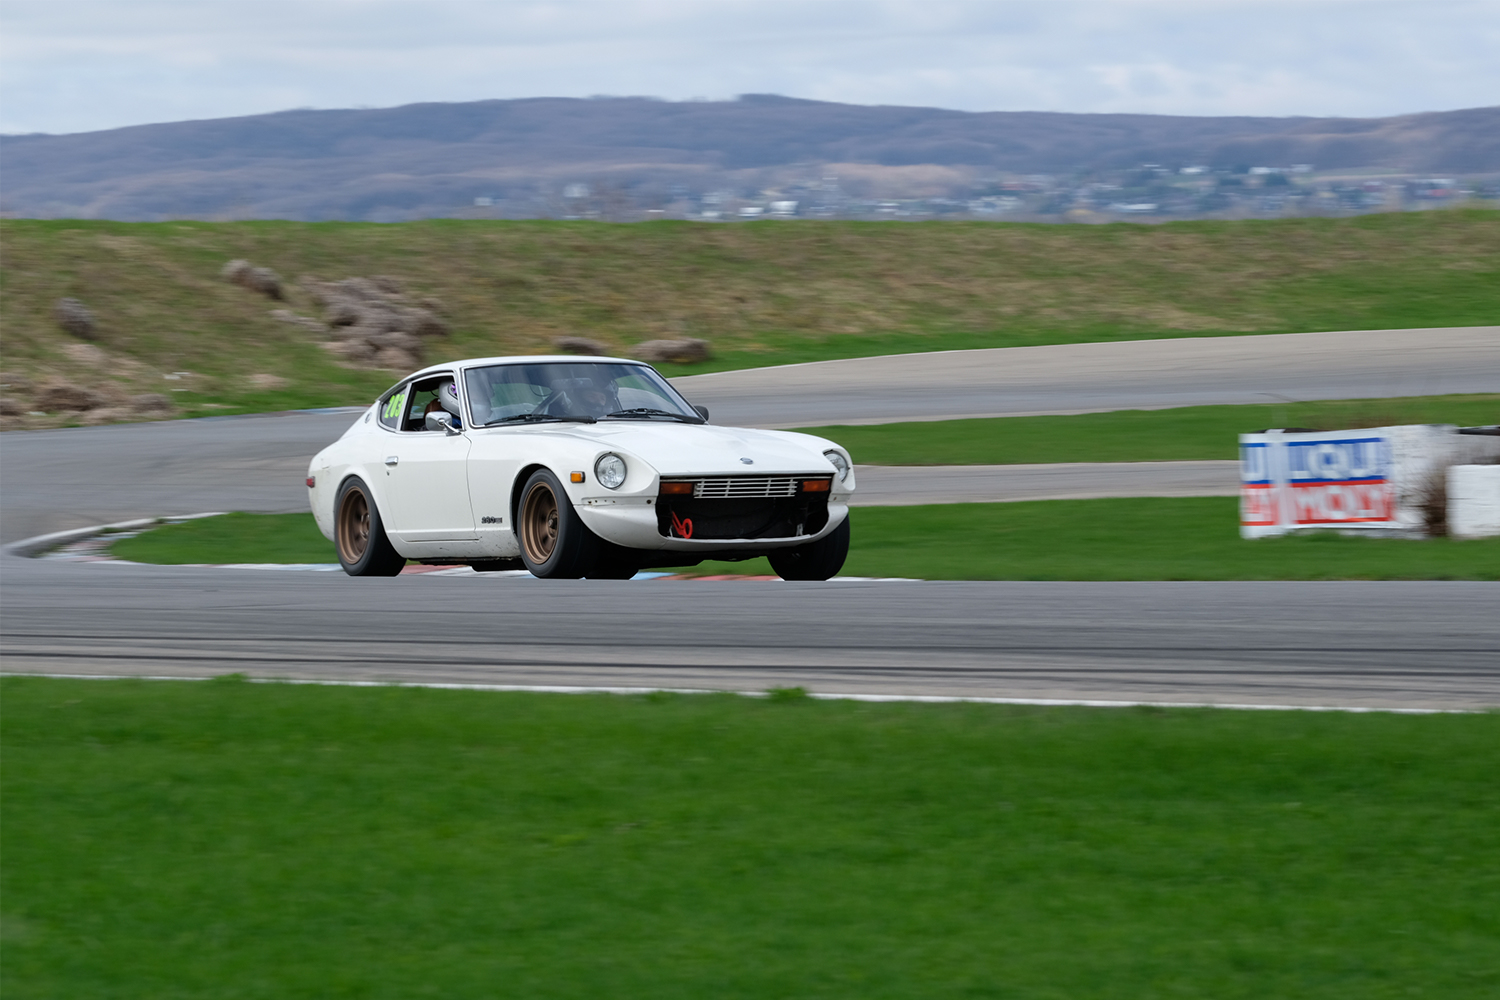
[232,538]
[1176,435]
[231,841]
[1142,538]
[764,294]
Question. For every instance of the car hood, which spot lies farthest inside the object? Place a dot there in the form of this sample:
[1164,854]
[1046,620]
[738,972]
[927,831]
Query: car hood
[699,449]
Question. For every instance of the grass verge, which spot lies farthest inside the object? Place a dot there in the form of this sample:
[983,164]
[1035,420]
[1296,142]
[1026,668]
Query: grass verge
[1136,538]
[763,294]
[1140,538]
[232,538]
[1175,435]
[235,840]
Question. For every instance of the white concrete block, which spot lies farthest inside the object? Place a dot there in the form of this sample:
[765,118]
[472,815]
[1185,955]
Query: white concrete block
[1474,501]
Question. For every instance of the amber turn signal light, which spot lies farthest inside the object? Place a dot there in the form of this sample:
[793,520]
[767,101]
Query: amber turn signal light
[679,488]
[816,485]
[576,477]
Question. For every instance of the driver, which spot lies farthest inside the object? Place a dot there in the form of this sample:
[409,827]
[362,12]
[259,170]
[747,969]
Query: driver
[445,400]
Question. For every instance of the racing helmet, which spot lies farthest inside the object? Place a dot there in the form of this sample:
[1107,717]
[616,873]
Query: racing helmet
[447,395]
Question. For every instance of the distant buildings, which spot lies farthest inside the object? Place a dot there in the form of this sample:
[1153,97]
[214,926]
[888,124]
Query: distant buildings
[1149,192]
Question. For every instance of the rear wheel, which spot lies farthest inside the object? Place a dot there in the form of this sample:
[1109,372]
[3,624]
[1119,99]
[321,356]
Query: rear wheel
[555,543]
[817,560]
[359,535]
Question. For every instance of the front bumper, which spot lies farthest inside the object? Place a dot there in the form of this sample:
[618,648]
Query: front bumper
[632,523]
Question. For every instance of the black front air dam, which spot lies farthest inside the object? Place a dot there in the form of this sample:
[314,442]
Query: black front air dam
[751,517]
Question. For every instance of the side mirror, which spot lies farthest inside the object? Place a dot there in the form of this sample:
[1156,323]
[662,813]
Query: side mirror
[440,421]
[702,411]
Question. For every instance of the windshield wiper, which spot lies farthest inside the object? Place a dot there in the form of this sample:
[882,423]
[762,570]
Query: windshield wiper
[651,411]
[542,418]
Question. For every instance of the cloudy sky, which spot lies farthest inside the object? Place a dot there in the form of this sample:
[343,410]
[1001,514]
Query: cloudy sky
[79,65]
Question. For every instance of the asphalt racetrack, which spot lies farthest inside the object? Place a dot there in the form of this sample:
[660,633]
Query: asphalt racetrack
[1079,378]
[1413,645]
[1376,645]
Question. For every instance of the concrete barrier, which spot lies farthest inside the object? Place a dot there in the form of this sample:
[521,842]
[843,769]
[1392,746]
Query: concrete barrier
[1474,501]
[1375,480]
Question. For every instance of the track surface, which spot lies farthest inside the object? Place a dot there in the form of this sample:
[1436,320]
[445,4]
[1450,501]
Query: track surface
[56,480]
[1077,378]
[1378,645]
[1361,644]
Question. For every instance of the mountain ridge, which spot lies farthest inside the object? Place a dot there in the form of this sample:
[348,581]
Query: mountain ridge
[428,159]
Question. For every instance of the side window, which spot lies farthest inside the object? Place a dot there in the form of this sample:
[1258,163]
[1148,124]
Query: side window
[423,398]
[392,406]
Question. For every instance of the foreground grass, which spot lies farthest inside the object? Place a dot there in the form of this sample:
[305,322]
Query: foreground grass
[1176,435]
[763,294]
[1141,538]
[232,840]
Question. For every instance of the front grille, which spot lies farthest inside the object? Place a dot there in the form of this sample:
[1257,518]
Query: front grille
[736,489]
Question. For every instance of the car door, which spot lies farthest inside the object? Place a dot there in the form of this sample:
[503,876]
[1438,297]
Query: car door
[427,482]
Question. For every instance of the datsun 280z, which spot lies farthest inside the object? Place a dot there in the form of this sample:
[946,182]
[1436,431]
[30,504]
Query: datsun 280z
[572,468]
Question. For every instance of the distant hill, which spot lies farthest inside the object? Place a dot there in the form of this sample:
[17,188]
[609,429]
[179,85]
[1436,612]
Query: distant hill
[426,160]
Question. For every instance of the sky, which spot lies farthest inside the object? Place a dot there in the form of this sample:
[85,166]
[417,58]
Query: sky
[83,65]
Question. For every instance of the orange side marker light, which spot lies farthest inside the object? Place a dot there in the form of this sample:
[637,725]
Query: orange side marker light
[576,477]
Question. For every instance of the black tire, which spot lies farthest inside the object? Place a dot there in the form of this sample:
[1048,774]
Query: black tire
[496,565]
[817,560]
[359,536]
[555,543]
[614,563]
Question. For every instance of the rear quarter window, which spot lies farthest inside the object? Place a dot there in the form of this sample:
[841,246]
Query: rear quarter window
[391,407]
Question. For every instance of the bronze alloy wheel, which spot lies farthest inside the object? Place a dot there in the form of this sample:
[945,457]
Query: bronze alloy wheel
[354,526]
[539,528]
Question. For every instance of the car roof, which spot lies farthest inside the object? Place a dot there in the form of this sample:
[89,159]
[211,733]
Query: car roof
[520,359]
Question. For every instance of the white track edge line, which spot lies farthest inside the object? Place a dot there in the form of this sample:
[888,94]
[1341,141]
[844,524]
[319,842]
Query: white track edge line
[821,696]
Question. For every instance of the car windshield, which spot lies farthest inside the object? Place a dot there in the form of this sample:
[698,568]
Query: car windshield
[571,390]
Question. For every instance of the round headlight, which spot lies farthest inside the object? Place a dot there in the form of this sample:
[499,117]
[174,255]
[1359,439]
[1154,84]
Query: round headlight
[610,471]
[839,462]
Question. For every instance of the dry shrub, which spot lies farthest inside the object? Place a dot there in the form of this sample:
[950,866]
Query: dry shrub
[1432,501]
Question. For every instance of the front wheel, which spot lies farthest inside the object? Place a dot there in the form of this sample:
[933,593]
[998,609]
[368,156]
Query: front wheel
[359,535]
[816,560]
[614,563]
[555,543]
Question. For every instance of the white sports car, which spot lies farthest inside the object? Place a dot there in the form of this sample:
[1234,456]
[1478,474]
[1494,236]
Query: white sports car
[573,468]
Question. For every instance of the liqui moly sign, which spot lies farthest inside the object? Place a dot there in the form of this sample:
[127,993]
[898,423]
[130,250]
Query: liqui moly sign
[1329,479]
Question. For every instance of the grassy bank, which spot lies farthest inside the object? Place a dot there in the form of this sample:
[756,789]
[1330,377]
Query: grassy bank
[1139,538]
[1144,538]
[227,839]
[232,538]
[763,294]
[1177,435]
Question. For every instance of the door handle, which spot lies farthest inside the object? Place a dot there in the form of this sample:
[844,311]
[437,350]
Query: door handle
[392,459]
